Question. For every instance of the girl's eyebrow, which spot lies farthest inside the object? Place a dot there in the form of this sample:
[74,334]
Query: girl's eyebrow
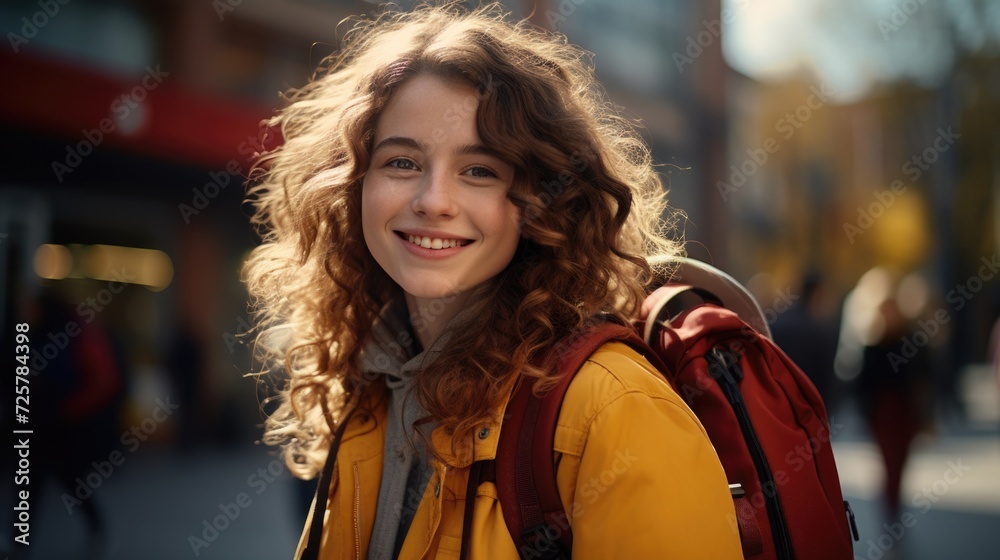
[475,150]
[406,142]
[401,141]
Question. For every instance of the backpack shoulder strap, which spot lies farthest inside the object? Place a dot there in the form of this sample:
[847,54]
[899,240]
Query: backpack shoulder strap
[523,470]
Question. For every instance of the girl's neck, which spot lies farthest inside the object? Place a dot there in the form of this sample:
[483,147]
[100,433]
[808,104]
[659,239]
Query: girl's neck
[428,316]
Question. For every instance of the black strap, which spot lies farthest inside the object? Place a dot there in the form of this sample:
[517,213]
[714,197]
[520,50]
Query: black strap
[684,300]
[311,551]
[476,472]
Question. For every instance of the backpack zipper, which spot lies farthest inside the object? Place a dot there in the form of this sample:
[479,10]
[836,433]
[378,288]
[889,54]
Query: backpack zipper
[724,367]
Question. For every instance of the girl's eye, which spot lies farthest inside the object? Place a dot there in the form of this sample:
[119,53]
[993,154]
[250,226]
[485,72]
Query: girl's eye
[402,164]
[480,172]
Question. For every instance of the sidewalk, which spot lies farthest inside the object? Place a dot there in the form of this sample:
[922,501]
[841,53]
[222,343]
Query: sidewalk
[160,505]
[951,495]
[241,504]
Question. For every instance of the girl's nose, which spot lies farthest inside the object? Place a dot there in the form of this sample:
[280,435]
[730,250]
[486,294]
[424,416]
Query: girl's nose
[435,197]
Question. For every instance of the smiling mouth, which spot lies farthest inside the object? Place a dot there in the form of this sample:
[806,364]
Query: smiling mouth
[433,242]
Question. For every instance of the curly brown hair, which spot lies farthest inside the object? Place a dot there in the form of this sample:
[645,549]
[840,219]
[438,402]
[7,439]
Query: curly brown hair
[591,205]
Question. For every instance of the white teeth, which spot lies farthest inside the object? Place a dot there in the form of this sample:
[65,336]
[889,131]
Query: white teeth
[433,243]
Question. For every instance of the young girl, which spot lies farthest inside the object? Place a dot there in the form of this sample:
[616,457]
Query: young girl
[454,196]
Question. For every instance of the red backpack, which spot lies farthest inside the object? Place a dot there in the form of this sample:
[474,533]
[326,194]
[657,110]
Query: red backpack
[768,424]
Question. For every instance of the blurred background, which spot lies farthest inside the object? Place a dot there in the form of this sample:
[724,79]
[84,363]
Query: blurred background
[841,158]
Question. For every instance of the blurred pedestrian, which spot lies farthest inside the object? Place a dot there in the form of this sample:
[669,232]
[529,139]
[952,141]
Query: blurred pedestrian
[807,332]
[891,381]
[77,385]
[185,362]
[994,351]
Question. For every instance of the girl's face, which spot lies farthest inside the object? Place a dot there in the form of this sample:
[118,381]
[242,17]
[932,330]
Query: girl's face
[434,206]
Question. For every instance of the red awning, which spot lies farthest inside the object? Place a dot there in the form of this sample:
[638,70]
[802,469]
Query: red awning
[172,121]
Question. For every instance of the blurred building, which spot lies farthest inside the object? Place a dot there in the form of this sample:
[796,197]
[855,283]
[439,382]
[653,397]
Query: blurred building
[881,119]
[661,61]
[131,126]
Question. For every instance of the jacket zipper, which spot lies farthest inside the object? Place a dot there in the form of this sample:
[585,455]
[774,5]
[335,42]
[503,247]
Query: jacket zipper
[357,513]
[727,365]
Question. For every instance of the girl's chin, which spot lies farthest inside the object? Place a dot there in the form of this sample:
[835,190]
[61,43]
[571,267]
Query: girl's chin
[433,289]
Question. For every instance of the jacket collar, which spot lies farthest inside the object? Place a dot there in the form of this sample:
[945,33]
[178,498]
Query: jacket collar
[480,446]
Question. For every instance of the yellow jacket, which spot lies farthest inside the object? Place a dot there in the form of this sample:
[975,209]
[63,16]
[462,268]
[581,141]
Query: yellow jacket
[636,472]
